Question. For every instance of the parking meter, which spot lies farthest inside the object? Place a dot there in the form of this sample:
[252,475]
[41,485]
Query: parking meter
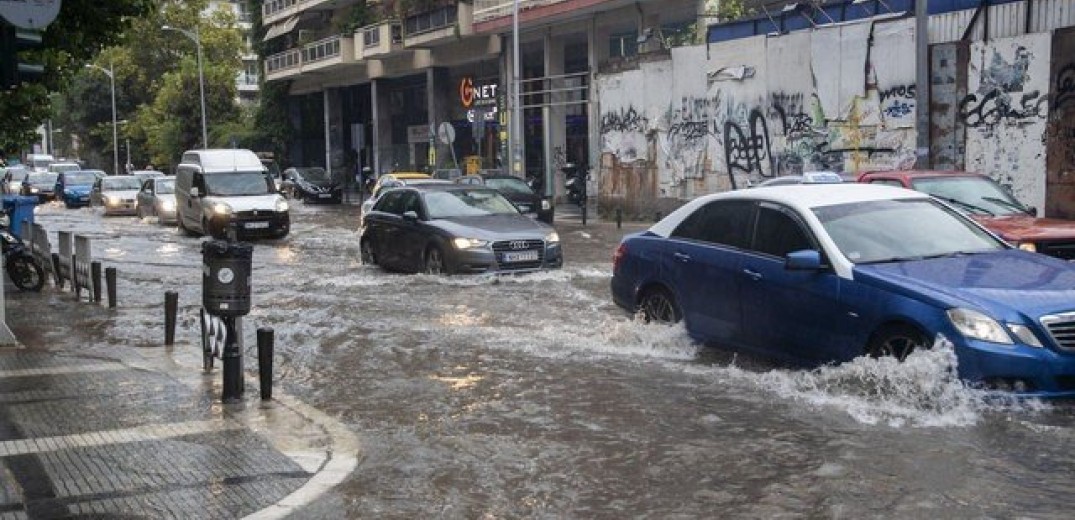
[226,277]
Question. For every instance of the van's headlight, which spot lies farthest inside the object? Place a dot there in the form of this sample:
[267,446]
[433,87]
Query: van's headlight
[1028,246]
[221,208]
[545,205]
[976,325]
[553,238]
[468,243]
[281,205]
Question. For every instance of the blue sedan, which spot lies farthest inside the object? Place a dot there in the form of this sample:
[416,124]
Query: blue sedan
[817,274]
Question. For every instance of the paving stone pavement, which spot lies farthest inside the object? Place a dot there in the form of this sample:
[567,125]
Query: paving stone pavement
[140,433]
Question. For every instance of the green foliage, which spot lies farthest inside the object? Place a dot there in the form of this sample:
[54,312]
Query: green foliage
[81,30]
[359,16]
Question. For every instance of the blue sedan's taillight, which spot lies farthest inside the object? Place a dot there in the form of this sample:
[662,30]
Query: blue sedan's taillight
[617,256]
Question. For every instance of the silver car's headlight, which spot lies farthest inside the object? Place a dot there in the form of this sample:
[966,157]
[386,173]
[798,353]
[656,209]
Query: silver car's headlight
[976,325]
[167,205]
[553,238]
[281,205]
[468,243]
[221,208]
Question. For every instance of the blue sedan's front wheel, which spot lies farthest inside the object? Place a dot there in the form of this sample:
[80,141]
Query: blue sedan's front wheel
[897,340]
[658,305]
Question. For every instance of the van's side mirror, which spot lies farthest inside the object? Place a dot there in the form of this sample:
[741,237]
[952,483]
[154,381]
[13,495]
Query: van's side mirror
[194,192]
[410,216]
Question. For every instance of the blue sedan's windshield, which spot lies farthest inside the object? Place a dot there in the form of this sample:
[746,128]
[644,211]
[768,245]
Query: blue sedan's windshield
[467,203]
[893,230]
[79,179]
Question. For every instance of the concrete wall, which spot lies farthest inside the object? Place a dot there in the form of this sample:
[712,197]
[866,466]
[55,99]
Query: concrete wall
[835,98]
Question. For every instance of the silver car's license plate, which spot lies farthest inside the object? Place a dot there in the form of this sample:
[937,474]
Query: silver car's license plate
[521,256]
[256,225]
[324,195]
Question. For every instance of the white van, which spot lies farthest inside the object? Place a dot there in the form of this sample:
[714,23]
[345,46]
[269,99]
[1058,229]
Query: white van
[39,162]
[217,189]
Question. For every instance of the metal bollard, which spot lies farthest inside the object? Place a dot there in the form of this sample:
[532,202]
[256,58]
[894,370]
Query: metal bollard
[619,218]
[110,281]
[265,352]
[95,276]
[231,357]
[657,216]
[73,275]
[57,276]
[171,306]
[584,205]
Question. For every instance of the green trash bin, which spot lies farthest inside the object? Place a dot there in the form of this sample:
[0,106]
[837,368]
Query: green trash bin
[20,210]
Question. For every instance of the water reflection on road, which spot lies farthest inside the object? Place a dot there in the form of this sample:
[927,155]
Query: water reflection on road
[534,396]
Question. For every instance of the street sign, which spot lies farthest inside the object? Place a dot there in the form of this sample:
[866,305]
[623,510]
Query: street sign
[446,133]
[29,14]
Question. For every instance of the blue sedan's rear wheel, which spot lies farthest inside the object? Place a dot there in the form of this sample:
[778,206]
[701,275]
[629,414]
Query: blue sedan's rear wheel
[368,256]
[659,306]
[897,341]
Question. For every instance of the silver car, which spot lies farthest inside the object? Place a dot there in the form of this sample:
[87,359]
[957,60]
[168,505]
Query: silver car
[116,193]
[452,228]
[157,198]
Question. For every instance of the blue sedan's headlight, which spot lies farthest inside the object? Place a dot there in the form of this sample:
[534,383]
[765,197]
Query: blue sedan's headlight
[976,325]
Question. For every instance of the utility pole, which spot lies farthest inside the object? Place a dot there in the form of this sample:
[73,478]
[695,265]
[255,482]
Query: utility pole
[922,84]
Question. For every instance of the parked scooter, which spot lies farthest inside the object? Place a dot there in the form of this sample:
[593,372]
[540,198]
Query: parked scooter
[20,264]
[575,183]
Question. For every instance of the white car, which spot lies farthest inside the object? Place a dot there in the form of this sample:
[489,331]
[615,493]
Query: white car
[157,198]
[117,194]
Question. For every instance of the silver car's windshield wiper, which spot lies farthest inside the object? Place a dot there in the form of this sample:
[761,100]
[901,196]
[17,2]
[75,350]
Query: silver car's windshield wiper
[966,205]
[1007,203]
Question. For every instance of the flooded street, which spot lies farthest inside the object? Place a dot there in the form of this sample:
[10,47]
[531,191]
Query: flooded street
[534,396]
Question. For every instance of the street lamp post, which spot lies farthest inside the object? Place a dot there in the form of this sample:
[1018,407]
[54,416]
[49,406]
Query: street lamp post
[110,72]
[201,77]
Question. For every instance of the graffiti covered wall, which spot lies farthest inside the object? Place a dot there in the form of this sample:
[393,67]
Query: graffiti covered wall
[744,111]
[1060,129]
[1005,112]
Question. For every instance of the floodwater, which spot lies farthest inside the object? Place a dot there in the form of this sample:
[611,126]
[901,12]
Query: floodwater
[535,397]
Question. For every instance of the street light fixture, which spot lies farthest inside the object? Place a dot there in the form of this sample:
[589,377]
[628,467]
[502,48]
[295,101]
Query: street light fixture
[201,78]
[110,72]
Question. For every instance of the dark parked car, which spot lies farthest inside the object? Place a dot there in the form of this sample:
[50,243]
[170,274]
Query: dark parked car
[517,191]
[449,228]
[312,184]
[827,273]
[991,205]
[41,185]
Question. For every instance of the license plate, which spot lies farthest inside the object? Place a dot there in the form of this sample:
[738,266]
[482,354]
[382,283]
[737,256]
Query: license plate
[256,225]
[521,256]
[324,195]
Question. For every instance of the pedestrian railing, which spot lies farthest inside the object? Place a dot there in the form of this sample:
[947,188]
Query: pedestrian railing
[66,245]
[81,267]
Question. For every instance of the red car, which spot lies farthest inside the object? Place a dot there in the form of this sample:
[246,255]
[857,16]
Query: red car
[991,205]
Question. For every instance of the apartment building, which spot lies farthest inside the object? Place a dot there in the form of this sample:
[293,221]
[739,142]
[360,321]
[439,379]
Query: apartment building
[247,80]
[382,94]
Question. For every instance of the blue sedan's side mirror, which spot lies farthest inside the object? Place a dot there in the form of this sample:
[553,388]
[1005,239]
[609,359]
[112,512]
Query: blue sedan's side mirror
[805,260]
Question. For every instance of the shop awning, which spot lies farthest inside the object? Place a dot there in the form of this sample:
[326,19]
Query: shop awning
[280,28]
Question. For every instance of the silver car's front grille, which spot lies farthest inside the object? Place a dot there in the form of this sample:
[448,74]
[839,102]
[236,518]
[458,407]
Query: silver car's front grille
[1062,329]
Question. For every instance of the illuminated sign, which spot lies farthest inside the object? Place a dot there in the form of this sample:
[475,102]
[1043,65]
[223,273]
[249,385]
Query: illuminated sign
[473,95]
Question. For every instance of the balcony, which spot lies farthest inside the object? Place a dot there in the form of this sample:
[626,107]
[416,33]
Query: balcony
[443,24]
[328,52]
[273,11]
[379,40]
[283,65]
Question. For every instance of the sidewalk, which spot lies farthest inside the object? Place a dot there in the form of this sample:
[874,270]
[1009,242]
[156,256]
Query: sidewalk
[88,428]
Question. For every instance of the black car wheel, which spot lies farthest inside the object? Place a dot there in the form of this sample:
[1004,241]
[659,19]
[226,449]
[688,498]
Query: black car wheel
[434,261]
[897,341]
[659,306]
[368,257]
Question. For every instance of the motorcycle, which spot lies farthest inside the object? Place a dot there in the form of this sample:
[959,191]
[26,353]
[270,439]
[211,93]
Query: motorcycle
[575,184]
[20,264]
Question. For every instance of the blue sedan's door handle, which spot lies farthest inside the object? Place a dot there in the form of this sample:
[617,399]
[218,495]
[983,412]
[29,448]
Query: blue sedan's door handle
[753,275]
[682,257]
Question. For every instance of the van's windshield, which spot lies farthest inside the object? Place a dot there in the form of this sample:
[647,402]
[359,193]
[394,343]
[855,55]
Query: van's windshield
[236,183]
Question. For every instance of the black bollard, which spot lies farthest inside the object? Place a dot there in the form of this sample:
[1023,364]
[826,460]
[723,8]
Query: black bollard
[232,391]
[57,276]
[74,278]
[110,281]
[95,276]
[657,216]
[619,218]
[171,305]
[584,213]
[265,350]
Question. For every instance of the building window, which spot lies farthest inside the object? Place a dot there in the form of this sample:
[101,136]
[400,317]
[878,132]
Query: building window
[623,45]
[431,20]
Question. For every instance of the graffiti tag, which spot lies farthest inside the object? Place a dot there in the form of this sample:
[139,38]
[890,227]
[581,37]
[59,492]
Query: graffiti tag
[900,92]
[996,107]
[744,150]
[897,110]
[624,120]
[1065,86]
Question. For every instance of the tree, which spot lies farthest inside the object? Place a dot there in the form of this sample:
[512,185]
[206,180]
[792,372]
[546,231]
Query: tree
[81,30]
